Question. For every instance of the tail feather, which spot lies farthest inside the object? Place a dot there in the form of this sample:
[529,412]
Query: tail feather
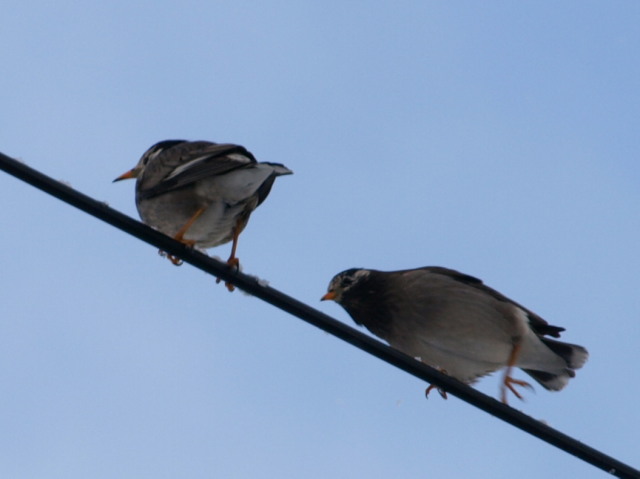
[575,356]
[551,381]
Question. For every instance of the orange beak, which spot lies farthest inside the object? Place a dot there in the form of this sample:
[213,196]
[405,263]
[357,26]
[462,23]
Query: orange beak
[127,176]
[328,296]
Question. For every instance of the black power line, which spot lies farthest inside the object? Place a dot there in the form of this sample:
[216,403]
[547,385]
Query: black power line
[311,315]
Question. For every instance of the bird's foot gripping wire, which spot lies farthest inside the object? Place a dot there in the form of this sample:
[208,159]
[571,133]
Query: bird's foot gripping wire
[431,387]
[174,259]
[441,391]
[233,263]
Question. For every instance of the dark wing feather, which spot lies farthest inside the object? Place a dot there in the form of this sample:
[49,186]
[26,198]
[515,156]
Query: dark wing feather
[195,161]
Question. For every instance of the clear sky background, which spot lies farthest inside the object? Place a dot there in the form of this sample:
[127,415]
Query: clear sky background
[498,138]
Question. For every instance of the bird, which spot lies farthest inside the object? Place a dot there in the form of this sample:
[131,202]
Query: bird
[455,323]
[201,193]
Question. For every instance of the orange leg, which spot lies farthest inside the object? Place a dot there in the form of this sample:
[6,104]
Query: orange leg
[509,382]
[233,262]
[180,237]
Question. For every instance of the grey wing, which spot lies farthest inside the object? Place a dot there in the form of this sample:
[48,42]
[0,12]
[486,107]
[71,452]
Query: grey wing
[198,160]
[538,325]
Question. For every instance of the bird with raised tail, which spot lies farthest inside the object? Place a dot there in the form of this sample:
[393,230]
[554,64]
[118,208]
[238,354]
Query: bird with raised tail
[454,322]
[201,193]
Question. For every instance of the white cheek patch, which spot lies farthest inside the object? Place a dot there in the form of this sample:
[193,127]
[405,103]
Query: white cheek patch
[355,279]
[363,273]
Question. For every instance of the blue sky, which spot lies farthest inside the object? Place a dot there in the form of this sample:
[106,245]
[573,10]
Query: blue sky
[497,138]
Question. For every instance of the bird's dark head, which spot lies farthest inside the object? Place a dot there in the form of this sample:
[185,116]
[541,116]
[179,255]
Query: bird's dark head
[344,282]
[148,155]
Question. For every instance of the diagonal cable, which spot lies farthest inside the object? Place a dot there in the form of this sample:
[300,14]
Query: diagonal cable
[311,315]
